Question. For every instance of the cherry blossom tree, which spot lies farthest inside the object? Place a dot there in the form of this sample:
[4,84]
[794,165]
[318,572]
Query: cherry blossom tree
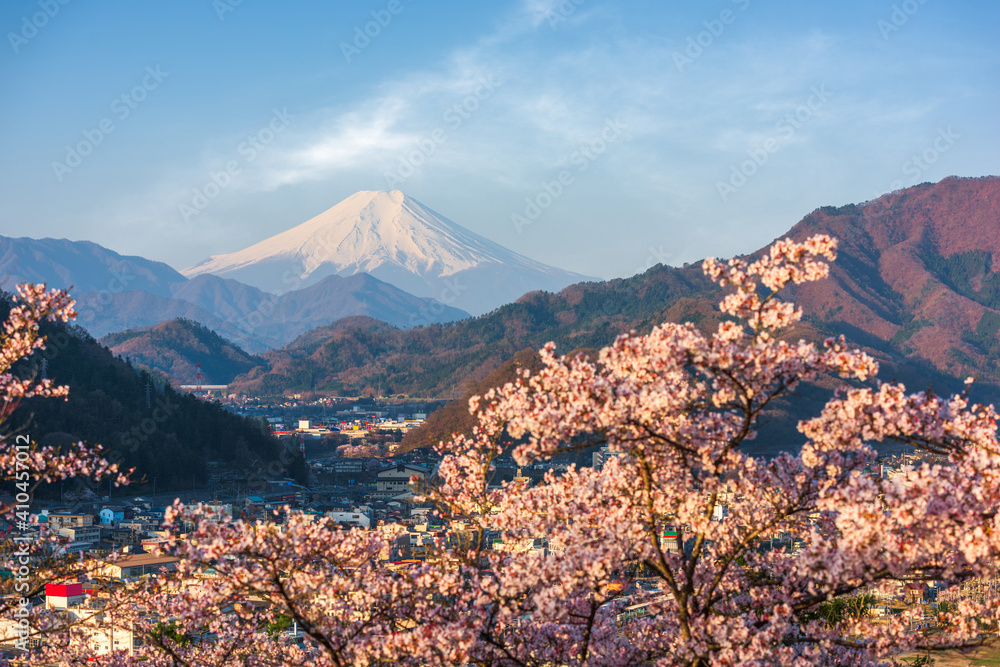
[537,575]
[34,559]
[20,338]
[361,451]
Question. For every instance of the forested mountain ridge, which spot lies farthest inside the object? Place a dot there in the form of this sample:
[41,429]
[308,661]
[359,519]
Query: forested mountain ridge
[917,271]
[914,279]
[360,355]
[141,421]
[176,347]
[914,284]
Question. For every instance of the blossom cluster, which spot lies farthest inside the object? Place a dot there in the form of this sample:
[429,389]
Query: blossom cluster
[20,338]
[535,574]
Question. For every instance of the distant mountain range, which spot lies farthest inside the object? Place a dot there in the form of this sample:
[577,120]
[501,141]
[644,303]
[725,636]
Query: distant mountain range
[86,266]
[914,284]
[378,254]
[398,240]
[116,292]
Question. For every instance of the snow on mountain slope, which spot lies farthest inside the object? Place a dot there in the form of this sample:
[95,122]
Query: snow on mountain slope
[396,239]
[115,292]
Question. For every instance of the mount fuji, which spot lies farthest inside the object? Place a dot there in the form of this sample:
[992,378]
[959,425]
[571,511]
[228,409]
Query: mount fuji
[116,292]
[396,239]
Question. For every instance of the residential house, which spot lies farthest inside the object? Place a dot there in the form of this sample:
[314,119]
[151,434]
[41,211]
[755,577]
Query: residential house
[111,515]
[396,480]
[134,566]
[57,520]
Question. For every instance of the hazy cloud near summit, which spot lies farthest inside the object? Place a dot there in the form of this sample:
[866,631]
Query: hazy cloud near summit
[559,72]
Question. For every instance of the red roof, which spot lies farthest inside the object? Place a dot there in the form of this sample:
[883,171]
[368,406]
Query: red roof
[63,590]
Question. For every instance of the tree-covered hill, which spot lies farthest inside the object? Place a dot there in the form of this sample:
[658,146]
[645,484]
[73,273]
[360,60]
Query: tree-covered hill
[360,355]
[914,280]
[142,421]
[177,346]
[915,284]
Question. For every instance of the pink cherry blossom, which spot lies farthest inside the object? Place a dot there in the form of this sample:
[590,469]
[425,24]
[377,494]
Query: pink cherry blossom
[545,574]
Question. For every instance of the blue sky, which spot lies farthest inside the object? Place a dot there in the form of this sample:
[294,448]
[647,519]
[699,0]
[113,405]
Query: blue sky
[601,137]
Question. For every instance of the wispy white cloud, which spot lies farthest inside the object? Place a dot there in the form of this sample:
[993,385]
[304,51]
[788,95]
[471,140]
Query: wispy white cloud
[558,85]
[538,11]
[349,140]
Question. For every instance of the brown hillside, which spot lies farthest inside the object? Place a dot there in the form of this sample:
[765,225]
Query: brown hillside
[892,280]
[914,284]
[176,347]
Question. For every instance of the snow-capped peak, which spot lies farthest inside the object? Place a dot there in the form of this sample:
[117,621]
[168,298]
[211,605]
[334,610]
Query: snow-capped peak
[386,234]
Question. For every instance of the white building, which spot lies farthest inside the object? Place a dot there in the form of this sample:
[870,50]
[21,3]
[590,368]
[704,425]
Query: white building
[396,480]
[354,518]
